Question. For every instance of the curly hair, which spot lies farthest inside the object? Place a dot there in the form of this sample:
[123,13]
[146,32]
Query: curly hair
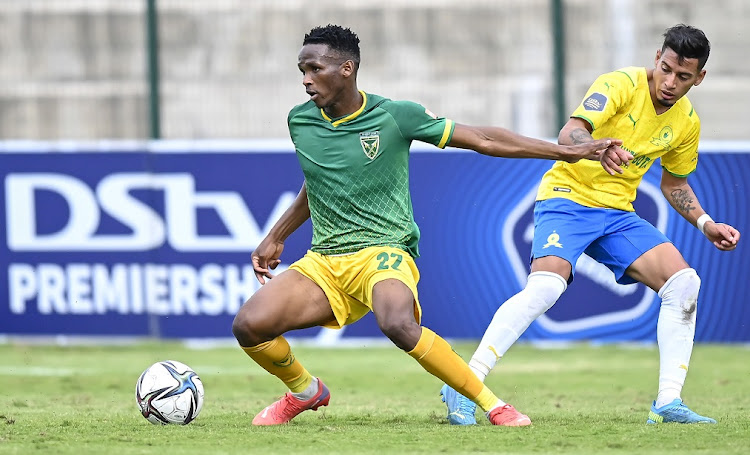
[341,40]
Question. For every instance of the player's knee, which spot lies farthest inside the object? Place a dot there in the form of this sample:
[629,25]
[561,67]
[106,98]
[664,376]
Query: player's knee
[682,289]
[242,330]
[544,289]
[249,329]
[402,332]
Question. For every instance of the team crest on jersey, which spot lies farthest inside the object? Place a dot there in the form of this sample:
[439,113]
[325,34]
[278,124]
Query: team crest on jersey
[664,138]
[370,142]
[595,102]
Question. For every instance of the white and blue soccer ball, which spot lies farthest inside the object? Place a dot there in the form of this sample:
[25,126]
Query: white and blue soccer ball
[169,392]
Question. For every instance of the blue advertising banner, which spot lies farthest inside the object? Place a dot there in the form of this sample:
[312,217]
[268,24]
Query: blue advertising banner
[155,240]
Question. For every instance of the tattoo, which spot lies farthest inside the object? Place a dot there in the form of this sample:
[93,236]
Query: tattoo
[580,136]
[681,200]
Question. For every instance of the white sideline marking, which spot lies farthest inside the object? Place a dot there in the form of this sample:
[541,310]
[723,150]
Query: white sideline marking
[9,370]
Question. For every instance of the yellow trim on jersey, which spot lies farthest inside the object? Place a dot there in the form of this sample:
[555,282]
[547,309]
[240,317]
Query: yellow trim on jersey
[350,116]
[446,133]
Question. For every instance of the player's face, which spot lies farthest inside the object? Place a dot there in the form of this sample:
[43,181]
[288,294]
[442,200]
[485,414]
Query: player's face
[674,78]
[324,75]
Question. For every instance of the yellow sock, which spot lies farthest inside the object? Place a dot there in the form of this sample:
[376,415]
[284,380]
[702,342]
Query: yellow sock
[486,399]
[276,357]
[436,356]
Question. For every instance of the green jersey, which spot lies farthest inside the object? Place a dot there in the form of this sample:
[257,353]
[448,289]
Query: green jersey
[357,171]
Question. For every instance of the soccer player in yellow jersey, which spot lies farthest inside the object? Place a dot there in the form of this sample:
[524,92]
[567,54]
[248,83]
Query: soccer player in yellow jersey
[581,208]
[353,148]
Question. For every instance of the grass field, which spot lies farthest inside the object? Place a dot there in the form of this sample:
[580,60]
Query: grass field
[582,399]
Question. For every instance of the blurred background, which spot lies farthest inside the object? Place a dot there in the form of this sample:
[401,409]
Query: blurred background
[206,69]
[171,119]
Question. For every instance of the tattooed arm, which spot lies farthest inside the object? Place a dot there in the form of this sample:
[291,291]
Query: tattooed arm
[578,131]
[682,198]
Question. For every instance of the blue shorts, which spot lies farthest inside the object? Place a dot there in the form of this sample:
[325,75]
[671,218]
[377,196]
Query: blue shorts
[615,238]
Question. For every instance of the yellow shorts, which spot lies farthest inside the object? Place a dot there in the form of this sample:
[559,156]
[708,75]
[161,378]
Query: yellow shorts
[347,280]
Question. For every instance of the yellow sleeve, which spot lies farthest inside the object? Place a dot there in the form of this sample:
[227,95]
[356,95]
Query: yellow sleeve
[605,96]
[683,160]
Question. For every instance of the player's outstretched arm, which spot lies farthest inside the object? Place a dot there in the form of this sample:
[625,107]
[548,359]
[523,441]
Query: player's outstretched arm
[268,253]
[681,196]
[500,142]
[578,131]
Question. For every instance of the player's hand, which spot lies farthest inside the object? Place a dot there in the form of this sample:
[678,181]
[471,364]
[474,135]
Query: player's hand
[590,150]
[266,258]
[723,236]
[614,157]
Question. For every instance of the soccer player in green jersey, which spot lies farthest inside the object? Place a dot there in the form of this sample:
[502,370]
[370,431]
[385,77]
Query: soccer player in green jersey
[582,208]
[353,148]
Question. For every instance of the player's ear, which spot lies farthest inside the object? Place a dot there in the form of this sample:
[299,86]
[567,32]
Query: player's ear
[348,68]
[701,75]
[658,57]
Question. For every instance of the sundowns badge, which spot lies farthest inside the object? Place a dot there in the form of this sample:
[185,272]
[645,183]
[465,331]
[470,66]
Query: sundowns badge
[370,142]
[664,138]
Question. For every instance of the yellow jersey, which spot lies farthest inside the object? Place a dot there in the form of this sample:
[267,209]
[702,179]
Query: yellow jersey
[619,105]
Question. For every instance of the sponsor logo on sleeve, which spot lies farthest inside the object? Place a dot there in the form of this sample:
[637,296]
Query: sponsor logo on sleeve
[595,102]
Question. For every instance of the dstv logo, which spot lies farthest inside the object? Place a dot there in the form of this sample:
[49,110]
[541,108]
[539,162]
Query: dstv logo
[594,300]
[146,227]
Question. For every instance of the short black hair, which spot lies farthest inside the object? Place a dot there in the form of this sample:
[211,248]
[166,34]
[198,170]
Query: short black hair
[340,39]
[687,42]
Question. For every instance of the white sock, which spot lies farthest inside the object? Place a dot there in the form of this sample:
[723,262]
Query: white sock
[514,317]
[675,332]
[309,391]
[500,403]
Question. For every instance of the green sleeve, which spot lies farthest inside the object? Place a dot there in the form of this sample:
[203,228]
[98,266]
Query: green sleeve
[415,122]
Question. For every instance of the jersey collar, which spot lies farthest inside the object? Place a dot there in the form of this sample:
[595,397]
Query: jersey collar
[351,116]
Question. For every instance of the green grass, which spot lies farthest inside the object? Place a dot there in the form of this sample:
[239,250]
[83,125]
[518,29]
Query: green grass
[582,399]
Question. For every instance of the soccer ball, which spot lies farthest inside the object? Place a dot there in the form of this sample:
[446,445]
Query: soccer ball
[169,392]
